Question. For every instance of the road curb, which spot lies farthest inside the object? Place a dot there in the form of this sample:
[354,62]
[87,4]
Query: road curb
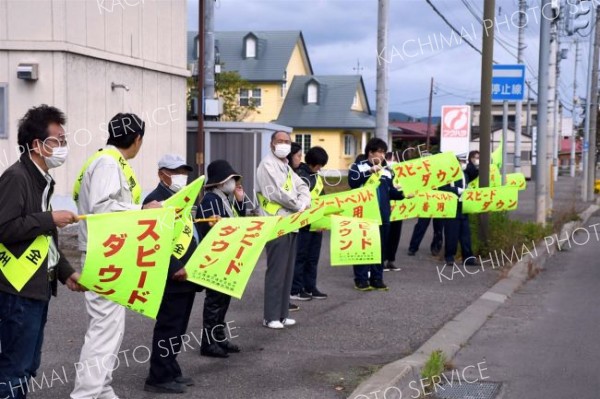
[392,381]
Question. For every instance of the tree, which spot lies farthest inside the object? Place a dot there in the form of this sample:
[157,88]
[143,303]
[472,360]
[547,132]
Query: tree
[228,86]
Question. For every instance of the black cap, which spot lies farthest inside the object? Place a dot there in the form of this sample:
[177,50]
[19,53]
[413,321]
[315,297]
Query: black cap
[218,172]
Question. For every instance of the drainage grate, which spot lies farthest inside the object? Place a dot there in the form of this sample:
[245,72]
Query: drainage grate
[479,390]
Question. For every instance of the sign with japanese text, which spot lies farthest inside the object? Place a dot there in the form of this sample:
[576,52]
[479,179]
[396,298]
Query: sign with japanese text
[183,201]
[298,220]
[425,204]
[508,82]
[354,241]
[128,256]
[358,203]
[495,178]
[516,180]
[490,199]
[427,173]
[226,257]
[455,130]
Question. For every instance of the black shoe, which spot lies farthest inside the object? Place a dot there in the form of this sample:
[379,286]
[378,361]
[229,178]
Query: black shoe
[301,296]
[390,267]
[472,262]
[165,387]
[412,253]
[435,251]
[213,350]
[187,381]
[316,294]
[378,285]
[362,286]
[293,307]
[229,347]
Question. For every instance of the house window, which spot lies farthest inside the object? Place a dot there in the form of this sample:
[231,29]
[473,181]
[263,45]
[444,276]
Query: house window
[525,155]
[283,89]
[305,142]
[250,47]
[250,96]
[311,93]
[349,145]
[3,111]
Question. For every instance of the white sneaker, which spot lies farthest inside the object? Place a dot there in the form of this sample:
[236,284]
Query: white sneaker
[288,322]
[273,324]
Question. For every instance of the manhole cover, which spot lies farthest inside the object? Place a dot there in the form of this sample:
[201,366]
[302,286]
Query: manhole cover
[479,390]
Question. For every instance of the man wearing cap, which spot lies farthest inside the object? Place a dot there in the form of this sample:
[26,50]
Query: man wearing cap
[106,184]
[280,192]
[222,183]
[165,375]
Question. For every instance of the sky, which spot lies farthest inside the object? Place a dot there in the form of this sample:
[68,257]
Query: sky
[341,33]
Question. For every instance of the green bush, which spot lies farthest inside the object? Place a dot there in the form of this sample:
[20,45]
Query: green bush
[433,369]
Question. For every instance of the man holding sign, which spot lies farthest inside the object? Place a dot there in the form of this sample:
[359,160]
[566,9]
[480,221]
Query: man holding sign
[280,192]
[30,261]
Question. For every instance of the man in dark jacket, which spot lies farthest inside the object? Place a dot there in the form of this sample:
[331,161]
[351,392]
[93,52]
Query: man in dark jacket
[304,286]
[372,170]
[221,182]
[165,375]
[28,243]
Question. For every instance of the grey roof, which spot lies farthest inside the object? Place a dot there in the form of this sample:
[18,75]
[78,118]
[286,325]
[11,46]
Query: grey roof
[333,110]
[274,50]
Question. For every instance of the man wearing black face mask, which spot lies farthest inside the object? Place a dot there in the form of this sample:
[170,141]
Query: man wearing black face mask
[29,256]
[165,375]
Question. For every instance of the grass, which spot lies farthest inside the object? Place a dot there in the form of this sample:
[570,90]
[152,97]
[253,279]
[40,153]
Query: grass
[433,369]
[336,184]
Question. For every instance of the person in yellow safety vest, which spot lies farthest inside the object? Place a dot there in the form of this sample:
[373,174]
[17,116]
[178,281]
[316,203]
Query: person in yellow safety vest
[280,192]
[308,249]
[106,184]
[30,261]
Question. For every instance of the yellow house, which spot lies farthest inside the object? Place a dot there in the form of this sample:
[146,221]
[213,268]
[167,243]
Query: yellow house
[269,60]
[329,111]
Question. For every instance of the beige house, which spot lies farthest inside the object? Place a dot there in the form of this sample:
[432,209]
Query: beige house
[94,59]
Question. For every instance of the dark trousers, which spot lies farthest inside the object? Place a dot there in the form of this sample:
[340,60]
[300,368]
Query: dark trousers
[394,240]
[216,305]
[281,257]
[307,259]
[420,230]
[361,273]
[22,322]
[171,323]
[455,230]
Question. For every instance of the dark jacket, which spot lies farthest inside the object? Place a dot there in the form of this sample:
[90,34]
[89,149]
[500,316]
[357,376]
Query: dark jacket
[358,176]
[22,220]
[161,193]
[212,205]
[471,172]
[453,188]
[308,176]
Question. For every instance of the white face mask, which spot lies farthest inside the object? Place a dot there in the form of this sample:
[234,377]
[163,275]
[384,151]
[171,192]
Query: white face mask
[476,162]
[178,182]
[58,157]
[282,150]
[228,186]
[463,166]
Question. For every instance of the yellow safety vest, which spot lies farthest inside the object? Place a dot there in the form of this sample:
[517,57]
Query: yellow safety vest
[134,186]
[316,191]
[374,180]
[273,207]
[18,271]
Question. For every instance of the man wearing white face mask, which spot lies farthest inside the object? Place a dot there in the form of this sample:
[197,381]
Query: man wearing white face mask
[165,375]
[280,192]
[29,247]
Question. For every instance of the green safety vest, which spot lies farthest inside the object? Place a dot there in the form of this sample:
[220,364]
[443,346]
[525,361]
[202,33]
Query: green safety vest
[134,186]
[316,191]
[18,271]
[273,207]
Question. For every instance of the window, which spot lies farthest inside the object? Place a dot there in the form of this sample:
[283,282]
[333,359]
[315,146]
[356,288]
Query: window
[525,155]
[3,111]
[250,47]
[349,145]
[305,142]
[250,96]
[311,93]
[283,89]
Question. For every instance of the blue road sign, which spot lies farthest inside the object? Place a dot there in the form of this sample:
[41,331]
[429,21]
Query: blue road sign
[508,82]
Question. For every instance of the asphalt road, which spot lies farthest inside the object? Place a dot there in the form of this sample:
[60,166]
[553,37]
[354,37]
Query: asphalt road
[543,343]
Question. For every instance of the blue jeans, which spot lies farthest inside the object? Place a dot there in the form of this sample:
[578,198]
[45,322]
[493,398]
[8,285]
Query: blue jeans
[307,260]
[22,322]
[361,273]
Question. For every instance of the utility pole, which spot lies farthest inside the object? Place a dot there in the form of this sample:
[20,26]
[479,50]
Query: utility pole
[485,118]
[586,138]
[593,115]
[382,119]
[209,49]
[541,182]
[504,140]
[573,115]
[519,104]
[429,114]
[200,133]
[552,110]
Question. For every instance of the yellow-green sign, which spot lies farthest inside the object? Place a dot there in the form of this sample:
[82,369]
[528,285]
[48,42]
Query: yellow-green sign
[358,203]
[427,173]
[516,180]
[354,241]
[226,257]
[495,178]
[425,204]
[490,199]
[18,271]
[128,256]
[298,220]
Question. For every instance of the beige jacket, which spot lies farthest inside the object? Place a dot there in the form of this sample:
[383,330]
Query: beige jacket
[270,178]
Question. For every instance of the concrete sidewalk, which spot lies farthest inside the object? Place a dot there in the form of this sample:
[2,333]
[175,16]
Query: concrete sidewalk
[337,343]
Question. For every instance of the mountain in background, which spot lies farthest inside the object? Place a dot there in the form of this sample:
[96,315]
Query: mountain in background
[402,117]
